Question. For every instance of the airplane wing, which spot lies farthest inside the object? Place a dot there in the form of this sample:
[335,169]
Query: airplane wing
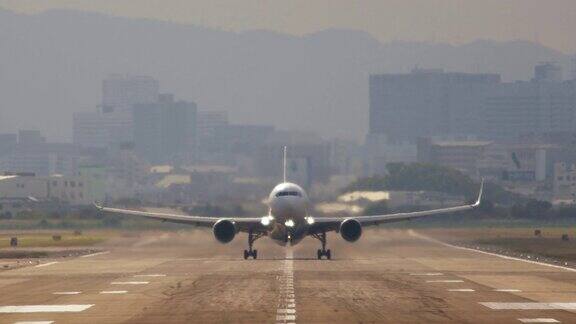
[243,223]
[333,223]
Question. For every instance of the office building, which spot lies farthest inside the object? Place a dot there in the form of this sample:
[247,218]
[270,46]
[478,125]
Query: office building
[427,103]
[165,131]
[121,92]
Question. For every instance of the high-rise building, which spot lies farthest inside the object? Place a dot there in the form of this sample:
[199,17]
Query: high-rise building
[30,137]
[165,130]
[99,130]
[535,107]
[207,124]
[422,103]
[547,71]
[112,124]
[121,92]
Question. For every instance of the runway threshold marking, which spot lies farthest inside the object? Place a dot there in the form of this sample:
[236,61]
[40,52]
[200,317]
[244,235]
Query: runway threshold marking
[286,311]
[94,254]
[46,264]
[45,308]
[538,320]
[529,306]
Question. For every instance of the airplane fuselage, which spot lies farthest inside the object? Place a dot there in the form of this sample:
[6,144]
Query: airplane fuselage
[288,216]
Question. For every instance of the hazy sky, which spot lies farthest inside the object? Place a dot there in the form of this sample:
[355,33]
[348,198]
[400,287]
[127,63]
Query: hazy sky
[550,22]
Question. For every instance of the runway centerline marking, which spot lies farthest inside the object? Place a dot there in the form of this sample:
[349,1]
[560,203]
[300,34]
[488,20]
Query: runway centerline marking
[445,281]
[44,308]
[286,310]
[94,254]
[150,275]
[529,306]
[427,274]
[66,293]
[538,320]
[508,290]
[34,322]
[113,292]
[46,264]
[462,290]
[130,282]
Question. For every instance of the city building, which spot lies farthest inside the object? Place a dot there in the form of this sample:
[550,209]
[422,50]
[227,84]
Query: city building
[207,125]
[460,155]
[121,92]
[101,130]
[519,108]
[73,190]
[165,131]
[111,124]
[427,103]
[564,183]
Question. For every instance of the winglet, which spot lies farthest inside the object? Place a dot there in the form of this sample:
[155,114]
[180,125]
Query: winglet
[480,194]
[97,206]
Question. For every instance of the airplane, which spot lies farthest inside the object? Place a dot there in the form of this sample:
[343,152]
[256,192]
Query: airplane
[289,220]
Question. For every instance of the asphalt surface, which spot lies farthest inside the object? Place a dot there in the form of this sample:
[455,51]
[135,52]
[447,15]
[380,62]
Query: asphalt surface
[389,276]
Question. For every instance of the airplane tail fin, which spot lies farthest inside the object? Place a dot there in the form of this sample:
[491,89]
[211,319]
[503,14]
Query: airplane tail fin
[284,164]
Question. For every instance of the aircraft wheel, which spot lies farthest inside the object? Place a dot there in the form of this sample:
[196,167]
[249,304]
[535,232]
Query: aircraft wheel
[319,254]
[255,254]
[328,254]
[245,254]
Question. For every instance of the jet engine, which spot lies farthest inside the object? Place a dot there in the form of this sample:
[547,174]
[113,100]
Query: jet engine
[350,230]
[224,231]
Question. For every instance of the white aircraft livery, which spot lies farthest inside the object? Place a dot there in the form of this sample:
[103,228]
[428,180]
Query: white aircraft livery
[289,220]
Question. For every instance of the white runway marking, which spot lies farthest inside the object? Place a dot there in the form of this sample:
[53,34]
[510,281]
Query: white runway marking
[44,308]
[491,254]
[427,274]
[530,306]
[46,264]
[114,292]
[94,254]
[130,282]
[538,320]
[444,281]
[34,322]
[66,293]
[150,275]
[286,300]
[461,290]
[508,290]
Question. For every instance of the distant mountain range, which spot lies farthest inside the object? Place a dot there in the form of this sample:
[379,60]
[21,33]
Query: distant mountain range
[52,64]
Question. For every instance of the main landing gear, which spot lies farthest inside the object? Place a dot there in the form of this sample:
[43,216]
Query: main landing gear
[322,252]
[251,239]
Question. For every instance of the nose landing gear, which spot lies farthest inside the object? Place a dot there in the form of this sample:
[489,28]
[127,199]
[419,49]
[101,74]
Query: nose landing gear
[251,239]
[322,252]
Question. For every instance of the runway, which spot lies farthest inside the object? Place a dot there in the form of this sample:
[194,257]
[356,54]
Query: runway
[389,276]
